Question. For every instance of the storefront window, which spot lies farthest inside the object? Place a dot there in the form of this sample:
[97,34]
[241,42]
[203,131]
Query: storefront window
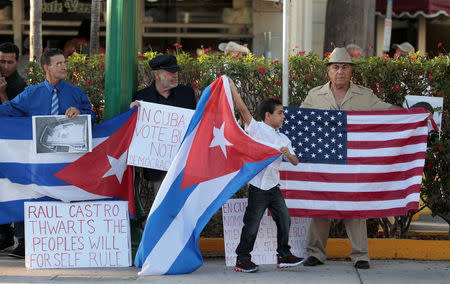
[193,23]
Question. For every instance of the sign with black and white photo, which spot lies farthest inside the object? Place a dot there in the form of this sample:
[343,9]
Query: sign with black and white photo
[437,103]
[59,134]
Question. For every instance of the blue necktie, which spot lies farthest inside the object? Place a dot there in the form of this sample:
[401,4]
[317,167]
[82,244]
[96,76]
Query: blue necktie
[55,102]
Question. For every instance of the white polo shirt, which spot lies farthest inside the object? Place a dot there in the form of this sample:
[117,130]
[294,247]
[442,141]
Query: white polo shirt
[270,176]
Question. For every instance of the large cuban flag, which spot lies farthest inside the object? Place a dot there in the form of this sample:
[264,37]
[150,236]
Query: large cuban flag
[216,158]
[100,174]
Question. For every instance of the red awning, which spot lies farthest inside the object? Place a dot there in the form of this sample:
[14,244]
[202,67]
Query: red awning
[415,8]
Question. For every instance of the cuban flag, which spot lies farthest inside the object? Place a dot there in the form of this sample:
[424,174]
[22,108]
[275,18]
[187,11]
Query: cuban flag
[98,175]
[215,159]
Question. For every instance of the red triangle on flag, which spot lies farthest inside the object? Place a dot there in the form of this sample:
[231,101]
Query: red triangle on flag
[92,172]
[207,161]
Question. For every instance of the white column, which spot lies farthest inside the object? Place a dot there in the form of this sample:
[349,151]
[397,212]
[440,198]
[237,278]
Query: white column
[17,23]
[300,25]
[307,25]
[422,35]
[140,43]
[379,35]
[285,73]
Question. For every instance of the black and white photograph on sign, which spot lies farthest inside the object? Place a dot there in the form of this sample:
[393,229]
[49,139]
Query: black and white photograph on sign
[433,104]
[59,134]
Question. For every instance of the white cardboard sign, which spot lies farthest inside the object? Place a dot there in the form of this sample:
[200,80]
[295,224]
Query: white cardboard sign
[436,102]
[158,135]
[264,251]
[74,235]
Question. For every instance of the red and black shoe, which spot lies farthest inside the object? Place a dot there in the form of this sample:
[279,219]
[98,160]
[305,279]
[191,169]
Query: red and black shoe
[289,261]
[246,266]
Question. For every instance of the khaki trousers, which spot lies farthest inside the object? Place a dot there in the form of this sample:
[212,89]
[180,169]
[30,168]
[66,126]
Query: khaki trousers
[319,230]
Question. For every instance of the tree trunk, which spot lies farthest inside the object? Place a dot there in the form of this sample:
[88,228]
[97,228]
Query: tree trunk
[95,24]
[35,29]
[350,21]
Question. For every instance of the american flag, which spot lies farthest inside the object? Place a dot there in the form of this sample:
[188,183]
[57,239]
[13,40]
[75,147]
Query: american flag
[354,164]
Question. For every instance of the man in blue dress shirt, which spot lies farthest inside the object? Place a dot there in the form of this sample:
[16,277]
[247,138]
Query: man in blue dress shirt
[51,97]
[37,99]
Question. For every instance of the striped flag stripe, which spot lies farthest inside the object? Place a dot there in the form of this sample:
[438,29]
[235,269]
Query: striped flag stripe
[367,153]
[349,187]
[308,167]
[351,205]
[350,196]
[353,118]
[65,193]
[22,151]
[383,127]
[397,113]
[387,144]
[341,214]
[385,160]
[373,136]
[351,177]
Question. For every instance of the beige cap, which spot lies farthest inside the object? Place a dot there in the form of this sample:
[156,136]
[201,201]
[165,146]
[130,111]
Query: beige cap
[233,47]
[405,47]
[340,55]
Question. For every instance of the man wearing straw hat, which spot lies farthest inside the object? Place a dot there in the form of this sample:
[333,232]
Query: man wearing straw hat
[341,94]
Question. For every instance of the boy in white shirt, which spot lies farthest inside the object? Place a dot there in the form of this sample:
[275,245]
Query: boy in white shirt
[264,188]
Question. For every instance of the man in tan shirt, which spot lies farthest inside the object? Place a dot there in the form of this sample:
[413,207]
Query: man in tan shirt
[341,94]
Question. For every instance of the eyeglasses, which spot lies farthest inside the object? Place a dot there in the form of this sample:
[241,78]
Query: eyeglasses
[344,67]
[60,64]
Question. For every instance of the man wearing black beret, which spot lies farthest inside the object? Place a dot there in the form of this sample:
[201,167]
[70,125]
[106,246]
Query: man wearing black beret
[164,90]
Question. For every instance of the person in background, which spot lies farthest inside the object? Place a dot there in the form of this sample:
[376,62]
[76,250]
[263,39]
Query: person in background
[355,51]
[234,48]
[341,94]
[54,96]
[403,49]
[11,84]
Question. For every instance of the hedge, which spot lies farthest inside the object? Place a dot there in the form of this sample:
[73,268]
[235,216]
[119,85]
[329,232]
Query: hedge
[257,77]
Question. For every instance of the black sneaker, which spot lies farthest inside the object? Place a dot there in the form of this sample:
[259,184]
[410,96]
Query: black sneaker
[19,251]
[289,261]
[312,261]
[245,265]
[362,264]
[6,241]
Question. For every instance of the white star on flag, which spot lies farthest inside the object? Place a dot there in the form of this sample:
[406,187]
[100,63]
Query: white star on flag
[118,166]
[220,140]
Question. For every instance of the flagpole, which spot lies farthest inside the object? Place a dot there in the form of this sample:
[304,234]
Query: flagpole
[285,72]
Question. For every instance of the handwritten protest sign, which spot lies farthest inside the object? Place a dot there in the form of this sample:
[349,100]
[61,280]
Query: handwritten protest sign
[436,103]
[265,249]
[158,135]
[73,235]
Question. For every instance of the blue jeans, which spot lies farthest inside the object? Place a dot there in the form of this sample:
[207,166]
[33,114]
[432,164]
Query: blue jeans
[258,201]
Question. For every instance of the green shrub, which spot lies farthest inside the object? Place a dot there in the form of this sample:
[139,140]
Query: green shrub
[257,77]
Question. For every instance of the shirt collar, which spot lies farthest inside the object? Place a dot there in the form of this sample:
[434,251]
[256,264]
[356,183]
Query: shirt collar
[13,76]
[50,87]
[277,130]
[161,96]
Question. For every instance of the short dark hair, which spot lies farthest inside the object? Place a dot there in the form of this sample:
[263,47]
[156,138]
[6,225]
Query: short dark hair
[49,53]
[9,47]
[267,105]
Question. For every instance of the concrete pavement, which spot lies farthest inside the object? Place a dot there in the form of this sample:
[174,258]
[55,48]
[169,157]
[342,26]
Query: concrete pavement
[214,271]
